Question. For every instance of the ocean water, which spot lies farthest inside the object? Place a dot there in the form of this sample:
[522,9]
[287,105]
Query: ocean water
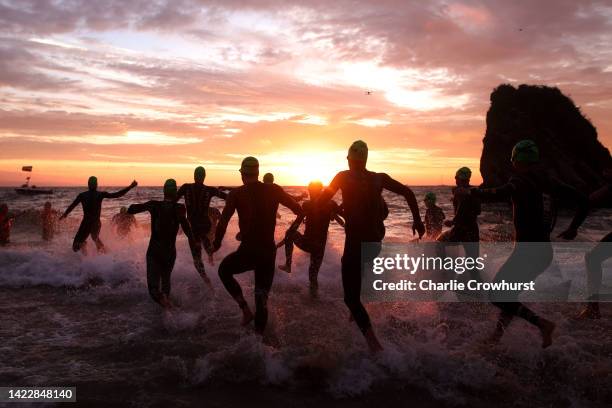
[88,321]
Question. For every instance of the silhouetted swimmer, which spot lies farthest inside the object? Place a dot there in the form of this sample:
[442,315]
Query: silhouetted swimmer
[364,211]
[596,256]
[434,216]
[91,200]
[123,222]
[316,219]
[166,216]
[464,225]
[257,204]
[531,192]
[49,218]
[6,224]
[197,200]
[268,178]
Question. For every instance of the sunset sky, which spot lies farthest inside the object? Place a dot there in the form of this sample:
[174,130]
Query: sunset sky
[149,89]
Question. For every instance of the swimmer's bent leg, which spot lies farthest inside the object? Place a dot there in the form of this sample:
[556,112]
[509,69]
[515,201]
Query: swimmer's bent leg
[159,271]
[593,259]
[264,276]
[81,236]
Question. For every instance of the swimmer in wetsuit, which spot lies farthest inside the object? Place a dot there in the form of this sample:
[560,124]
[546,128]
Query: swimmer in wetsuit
[464,226]
[197,200]
[364,213]
[166,216]
[257,204]
[529,190]
[316,220]
[91,200]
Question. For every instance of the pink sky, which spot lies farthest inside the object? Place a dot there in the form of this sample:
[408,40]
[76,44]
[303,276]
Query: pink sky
[149,90]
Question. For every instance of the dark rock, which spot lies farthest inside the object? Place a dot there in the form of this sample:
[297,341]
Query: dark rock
[569,149]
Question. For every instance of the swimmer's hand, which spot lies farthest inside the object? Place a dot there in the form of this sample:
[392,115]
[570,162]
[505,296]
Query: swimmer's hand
[417,226]
[569,234]
[134,184]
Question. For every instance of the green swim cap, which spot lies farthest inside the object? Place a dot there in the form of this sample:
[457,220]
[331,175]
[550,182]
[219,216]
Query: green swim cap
[358,151]
[268,178]
[199,173]
[249,166]
[123,210]
[170,187]
[526,151]
[92,182]
[463,173]
[430,196]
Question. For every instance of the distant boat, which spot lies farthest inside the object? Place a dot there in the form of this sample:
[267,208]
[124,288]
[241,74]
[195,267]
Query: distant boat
[26,189]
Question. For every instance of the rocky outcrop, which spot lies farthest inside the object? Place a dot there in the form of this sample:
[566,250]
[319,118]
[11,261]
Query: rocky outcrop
[569,149]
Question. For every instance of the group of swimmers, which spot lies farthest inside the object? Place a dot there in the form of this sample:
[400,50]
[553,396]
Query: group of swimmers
[362,214]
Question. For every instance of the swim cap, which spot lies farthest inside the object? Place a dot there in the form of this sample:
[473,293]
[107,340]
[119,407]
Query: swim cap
[92,182]
[358,151]
[249,166]
[430,196]
[463,173]
[268,178]
[199,174]
[123,210]
[526,151]
[170,187]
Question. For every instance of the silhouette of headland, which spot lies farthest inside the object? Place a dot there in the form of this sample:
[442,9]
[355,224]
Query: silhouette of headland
[569,149]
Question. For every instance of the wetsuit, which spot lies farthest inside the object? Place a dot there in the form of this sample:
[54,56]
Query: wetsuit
[91,201]
[434,217]
[166,216]
[123,223]
[596,256]
[465,226]
[257,204]
[316,221]
[197,200]
[364,213]
[529,194]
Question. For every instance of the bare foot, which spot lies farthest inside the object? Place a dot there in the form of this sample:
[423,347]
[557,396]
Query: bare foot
[286,268]
[546,330]
[590,312]
[247,316]
[373,343]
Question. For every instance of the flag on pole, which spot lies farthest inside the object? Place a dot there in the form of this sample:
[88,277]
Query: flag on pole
[26,168]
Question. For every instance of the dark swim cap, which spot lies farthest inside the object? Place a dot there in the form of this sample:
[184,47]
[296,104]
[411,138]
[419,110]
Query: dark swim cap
[268,178]
[463,173]
[170,187]
[92,182]
[526,151]
[249,166]
[358,151]
[430,196]
[199,173]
